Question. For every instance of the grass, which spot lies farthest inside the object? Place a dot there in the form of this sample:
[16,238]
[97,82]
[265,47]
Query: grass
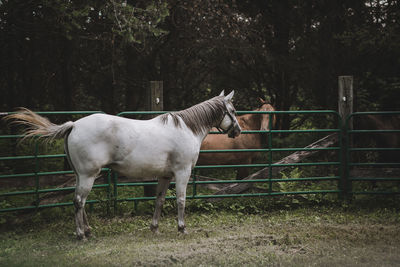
[256,232]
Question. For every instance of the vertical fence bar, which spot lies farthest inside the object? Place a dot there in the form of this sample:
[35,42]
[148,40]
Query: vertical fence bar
[115,196]
[36,175]
[347,144]
[194,183]
[342,166]
[270,153]
[108,192]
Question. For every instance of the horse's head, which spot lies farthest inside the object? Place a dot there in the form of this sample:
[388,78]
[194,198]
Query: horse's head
[229,123]
[266,117]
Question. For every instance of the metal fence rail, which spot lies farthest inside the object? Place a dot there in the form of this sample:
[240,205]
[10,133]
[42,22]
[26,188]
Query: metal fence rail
[114,191]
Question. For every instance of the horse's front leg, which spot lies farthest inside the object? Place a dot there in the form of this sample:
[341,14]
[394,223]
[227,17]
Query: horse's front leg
[181,184]
[162,187]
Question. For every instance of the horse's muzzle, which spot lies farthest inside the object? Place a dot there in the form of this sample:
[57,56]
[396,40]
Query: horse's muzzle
[235,131]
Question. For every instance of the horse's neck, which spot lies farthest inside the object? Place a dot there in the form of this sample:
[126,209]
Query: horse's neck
[250,121]
[204,134]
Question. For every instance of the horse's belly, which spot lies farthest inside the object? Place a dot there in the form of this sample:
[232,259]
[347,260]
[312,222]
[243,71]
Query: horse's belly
[142,169]
[149,163]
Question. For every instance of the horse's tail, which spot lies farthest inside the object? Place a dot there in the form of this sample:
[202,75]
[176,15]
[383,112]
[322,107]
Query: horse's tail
[39,126]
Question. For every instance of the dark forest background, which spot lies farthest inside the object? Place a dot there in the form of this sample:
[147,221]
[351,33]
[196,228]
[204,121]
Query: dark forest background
[101,55]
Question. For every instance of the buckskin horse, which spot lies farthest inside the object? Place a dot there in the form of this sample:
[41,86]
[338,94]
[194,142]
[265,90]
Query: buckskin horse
[244,141]
[165,147]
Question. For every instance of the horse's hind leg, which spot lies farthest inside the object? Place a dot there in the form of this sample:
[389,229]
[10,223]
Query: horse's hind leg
[84,183]
[162,187]
[83,187]
[182,179]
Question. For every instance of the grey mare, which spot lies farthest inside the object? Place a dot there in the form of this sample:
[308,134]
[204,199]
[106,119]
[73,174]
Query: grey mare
[166,147]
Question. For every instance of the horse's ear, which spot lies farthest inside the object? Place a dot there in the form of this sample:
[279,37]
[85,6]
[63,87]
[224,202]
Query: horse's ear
[262,101]
[229,97]
[222,93]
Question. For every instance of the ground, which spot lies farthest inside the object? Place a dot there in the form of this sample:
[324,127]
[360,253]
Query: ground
[302,236]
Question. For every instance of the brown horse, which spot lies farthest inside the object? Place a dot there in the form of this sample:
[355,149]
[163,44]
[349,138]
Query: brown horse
[244,141]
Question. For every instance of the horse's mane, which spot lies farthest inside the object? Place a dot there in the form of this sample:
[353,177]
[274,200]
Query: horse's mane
[200,117]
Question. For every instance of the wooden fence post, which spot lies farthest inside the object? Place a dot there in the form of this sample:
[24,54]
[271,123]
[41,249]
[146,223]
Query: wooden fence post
[345,84]
[155,103]
[345,107]
[156,100]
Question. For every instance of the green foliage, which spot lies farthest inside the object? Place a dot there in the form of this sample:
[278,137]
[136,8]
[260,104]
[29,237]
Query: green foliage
[134,24]
[102,54]
[76,20]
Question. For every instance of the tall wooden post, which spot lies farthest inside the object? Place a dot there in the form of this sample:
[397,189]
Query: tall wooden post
[345,107]
[155,103]
[156,100]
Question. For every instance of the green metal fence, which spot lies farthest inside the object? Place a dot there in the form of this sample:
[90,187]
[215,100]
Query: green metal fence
[381,174]
[330,167]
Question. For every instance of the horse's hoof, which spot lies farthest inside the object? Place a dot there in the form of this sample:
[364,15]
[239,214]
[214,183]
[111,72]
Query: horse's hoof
[182,230]
[88,233]
[154,229]
[81,238]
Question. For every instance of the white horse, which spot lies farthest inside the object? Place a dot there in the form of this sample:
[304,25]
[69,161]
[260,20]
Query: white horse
[165,147]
